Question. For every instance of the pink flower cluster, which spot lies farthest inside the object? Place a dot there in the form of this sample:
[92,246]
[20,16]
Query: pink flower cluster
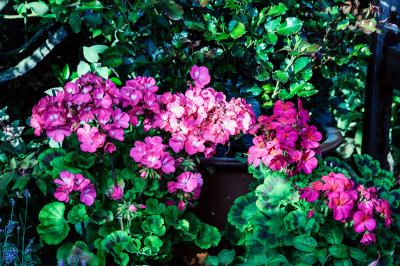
[349,203]
[201,118]
[285,140]
[186,188]
[151,154]
[90,99]
[74,182]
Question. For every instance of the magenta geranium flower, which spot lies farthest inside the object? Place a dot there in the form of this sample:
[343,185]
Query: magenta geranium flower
[118,193]
[186,181]
[308,194]
[67,180]
[363,220]
[62,194]
[88,195]
[200,75]
[341,204]
[368,238]
[109,147]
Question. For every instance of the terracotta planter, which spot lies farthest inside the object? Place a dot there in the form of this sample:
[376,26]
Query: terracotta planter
[225,179]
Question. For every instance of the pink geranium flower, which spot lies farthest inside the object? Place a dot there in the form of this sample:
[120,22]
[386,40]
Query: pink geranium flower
[200,75]
[168,163]
[80,182]
[57,133]
[67,180]
[62,194]
[308,194]
[341,204]
[121,119]
[88,195]
[181,205]
[109,147]
[187,182]
[363,221]
[118,193]
[368,238]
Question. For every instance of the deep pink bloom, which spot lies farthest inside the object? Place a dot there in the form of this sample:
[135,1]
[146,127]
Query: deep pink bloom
[109,147]
[62,194]
[168,163]
[341,204]
[132,208]
[308,194]
[181,205]
[80,182]
[118,193]
[171,187]
[307,162]
[177,142]
[310,137]
[367,239]
[57,133]
[200,75]
[121,119]
[88,195]
[363,221]
[310,214]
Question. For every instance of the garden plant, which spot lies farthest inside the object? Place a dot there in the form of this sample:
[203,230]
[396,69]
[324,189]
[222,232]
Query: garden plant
[107,169]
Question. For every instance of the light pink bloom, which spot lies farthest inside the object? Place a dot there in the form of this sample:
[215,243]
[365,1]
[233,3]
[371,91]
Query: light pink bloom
[62,194]
[67,180]
[187,182]
[132,208]
[58,133]
[121,119]
[168,163]
[80,182]
[177,142]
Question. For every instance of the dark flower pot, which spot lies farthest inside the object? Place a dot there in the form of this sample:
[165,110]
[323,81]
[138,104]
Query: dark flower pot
[225,179]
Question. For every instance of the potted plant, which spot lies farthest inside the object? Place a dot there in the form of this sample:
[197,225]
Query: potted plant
[126,179]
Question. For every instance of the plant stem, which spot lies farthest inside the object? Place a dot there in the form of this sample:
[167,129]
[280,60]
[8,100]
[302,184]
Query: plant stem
[23,233]
[83,232]
[115,185]
[277,90]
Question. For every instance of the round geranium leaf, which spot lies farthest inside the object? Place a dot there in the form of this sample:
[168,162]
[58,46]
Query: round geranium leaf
[101,216]
[243,209]
[154,224]
[171,214]
[53,227]
[209,235]
[153,243]
[153,207]
[78,214]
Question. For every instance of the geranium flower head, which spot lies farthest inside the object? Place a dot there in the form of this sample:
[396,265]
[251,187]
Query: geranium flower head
[88,195]
[368,238]
[363,220]
[200,75]
[117,193]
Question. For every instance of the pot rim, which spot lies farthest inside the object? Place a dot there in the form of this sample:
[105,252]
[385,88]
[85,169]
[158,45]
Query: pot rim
[333,140]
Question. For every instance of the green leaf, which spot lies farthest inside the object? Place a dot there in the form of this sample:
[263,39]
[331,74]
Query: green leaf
[53,227]
[271,38]
[272,25]
[78,214]
[226,256]
[208,236]
[212,260]
[21,182]
[173,10]
[75,22]
[154,243]
[117,242]
[236,29]
[153,207]
[42,186]
[343,24]
[154,224]
[301,63]
[171,214]
[94,5]
[243,210]
[65,73]
[83,68]
[91,53]
[357,254]
[274,190]
[281,76]
[277,10]
[321,255]
[262,74]
[194,25]
[338,251]
[290,26]
[300,86]
[304,243]
[101,216]
[38,8]
[334,235]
